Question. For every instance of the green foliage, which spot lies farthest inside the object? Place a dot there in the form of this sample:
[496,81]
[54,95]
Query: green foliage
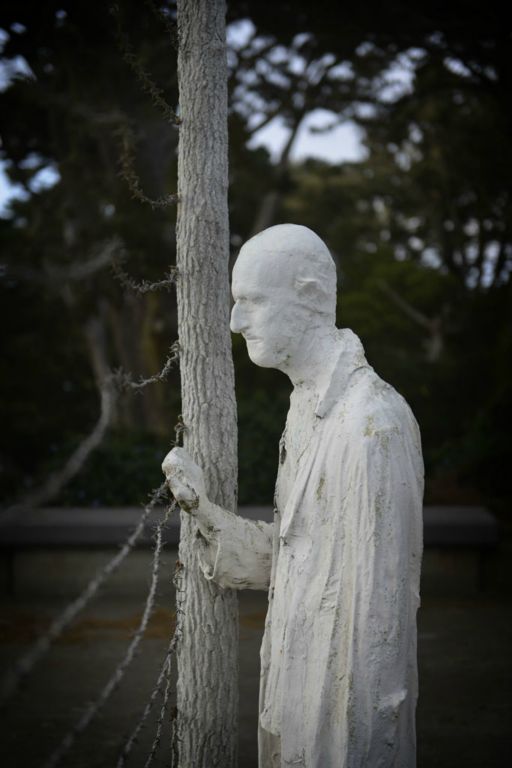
[47,395]
[124,469]
[263,400]
[421,229]
[441,337]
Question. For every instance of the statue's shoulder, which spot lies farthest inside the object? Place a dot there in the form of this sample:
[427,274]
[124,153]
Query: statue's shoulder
[374,406]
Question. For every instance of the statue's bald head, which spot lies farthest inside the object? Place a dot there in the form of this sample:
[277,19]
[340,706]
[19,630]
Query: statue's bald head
[284,287]
[292,256]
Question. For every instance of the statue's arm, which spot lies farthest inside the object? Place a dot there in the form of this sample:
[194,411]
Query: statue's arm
[233,551]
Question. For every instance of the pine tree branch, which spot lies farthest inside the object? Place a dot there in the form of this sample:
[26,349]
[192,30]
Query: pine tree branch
[51,274]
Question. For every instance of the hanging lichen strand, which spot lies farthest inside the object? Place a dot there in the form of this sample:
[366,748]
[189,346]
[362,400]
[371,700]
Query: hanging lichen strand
[206,725]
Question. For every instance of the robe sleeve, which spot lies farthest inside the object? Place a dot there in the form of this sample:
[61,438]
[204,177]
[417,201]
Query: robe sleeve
[233,551]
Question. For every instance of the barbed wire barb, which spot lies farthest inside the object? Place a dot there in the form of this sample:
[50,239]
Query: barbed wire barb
[123,380]
[161,717]
[127,171]
[163,677]
[147,83]
[170,24]
[143,286]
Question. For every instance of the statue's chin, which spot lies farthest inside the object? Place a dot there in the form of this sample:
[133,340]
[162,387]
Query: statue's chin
[260,356]
[265,358]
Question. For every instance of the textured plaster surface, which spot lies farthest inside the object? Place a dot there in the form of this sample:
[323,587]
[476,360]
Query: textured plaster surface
[342,559]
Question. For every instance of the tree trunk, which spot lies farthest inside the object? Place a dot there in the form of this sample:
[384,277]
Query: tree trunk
[207,706]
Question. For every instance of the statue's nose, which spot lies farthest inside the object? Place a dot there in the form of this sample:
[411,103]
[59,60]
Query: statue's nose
[237,322]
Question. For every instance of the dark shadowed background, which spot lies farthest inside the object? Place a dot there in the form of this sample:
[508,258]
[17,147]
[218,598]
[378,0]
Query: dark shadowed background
[419,222]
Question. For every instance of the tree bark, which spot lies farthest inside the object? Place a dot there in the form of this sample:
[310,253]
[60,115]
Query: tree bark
[207,705]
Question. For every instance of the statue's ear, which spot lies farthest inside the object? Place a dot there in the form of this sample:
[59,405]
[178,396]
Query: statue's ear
[309,289]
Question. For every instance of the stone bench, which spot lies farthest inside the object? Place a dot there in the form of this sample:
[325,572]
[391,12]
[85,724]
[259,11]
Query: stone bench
[445,528]
[450,527]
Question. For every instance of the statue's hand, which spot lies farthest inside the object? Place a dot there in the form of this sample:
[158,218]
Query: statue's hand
[185,479]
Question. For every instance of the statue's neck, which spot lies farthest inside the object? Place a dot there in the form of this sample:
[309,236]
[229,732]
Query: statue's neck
[312,365]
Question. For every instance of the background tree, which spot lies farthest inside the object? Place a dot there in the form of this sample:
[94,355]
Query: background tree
[420,227]
[82,115]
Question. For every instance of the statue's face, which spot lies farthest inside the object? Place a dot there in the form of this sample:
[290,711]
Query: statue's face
[267,311]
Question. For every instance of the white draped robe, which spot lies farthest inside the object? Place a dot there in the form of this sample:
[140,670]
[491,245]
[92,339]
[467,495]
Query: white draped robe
[342,565]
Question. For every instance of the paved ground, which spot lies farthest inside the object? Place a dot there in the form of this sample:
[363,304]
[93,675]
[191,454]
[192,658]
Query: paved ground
[465,636]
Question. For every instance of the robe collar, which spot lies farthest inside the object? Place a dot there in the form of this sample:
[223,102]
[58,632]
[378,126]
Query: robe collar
[350,358]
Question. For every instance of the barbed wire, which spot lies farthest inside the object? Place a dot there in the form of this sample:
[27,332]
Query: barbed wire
[124,381]
[159,726]
[143,286]
[169,23]
[12,682]
[115,679]
[134,61]
[127,171]
[163,677]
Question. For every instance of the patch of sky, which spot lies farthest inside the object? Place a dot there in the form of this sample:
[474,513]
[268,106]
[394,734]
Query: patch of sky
[8,192]
[492,250]
[430,258]
[239,33]
[43,179]
[15,67]
[398,79]
[337,143]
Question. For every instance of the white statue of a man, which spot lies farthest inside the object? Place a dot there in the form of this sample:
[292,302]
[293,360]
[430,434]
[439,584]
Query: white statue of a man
[341,561]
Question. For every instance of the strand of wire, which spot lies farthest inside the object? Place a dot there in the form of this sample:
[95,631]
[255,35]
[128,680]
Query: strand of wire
[112,684]
[163,676]
[163,709]
[26,664]
[124,381]
[169,23]
[127,171]
[177,580]
[134,61]
[143,286]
